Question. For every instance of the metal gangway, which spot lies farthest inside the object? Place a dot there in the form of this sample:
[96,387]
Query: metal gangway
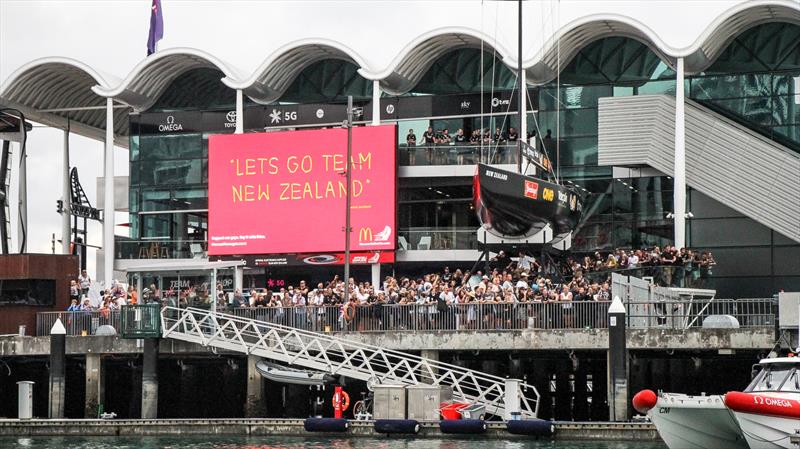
[340,356]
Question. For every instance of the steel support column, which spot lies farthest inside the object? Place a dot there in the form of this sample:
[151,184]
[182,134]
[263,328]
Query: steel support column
[679,190]
[108,197]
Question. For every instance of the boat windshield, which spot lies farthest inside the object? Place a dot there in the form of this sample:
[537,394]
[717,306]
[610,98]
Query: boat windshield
[776,378]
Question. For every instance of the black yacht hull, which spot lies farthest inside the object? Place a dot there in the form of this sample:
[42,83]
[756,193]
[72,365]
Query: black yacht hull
[510,204]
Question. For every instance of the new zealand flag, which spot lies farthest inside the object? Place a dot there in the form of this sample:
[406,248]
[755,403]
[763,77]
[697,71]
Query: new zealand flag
[156,27]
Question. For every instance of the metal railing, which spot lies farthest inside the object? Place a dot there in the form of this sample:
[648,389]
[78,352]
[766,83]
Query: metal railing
[331,354]
[750,313]
[663,275]
[457,154]
[430,317]
[436,239]
[78,323]
[160,249]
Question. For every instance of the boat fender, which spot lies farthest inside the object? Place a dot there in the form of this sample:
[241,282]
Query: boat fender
[341,400]
[325,425]
[644,400]
[533,427]
[389,426]
[463,426]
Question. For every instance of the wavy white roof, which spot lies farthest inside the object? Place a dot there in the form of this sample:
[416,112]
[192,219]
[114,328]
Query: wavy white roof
[260,47]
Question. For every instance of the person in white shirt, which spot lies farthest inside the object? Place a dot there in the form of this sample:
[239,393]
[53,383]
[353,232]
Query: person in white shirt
[633,260]
[85,282]
[299,304]
[525,262]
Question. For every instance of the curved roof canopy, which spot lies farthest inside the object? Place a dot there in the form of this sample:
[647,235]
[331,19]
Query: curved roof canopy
[58,92]
[278,71]
[415,60]
[54,90]
[722,32]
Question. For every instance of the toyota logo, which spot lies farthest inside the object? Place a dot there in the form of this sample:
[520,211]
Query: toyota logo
[231,116]
[170,120]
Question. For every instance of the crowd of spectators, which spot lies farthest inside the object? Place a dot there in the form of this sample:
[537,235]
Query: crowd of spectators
[492,298]
[107,300]
[432,138]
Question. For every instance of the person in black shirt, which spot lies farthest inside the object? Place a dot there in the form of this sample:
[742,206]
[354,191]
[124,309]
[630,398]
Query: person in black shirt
[428,139]
[498,136]
[512,135]
[475,137]
[460,137]
[427,136]
[411,142]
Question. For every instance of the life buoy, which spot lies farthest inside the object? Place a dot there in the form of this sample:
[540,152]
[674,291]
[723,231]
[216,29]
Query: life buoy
[341,400]
[349,311]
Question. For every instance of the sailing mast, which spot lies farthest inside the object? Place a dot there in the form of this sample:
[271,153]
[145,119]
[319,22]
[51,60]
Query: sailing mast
[521,91]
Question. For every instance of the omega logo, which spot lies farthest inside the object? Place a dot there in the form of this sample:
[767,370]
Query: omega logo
[170,125]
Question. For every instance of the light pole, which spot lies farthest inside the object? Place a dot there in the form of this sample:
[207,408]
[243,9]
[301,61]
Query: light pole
[349,182]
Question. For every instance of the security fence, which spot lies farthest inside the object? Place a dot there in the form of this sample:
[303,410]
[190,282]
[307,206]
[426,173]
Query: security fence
[384,317]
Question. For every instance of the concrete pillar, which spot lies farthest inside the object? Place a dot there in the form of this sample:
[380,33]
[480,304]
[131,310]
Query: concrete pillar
[376,276]
[617,363]
[254,407]
[150,379]
[66,197]
[376,102]
[679,191]
[58,347]
[239,112]
[238,278]
[95,385]
[108,197]
[433,355]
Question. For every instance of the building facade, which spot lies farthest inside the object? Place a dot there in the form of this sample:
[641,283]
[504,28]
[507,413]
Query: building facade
[741,64]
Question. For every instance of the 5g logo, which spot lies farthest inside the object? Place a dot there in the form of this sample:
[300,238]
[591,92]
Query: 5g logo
[287,116]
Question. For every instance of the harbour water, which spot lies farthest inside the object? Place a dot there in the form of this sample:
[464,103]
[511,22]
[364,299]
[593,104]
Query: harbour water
[278,442]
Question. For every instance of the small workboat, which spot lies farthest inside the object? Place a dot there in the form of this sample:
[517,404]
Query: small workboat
[285,374]
[768,411]
[685,421]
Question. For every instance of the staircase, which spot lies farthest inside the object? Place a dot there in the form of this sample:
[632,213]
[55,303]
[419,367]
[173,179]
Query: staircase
[725,160]
[335,355]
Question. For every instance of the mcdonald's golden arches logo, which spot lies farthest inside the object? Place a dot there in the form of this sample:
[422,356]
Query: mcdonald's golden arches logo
[365,235]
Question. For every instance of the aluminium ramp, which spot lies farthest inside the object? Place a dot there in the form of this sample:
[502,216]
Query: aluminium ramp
[741,169]
[335,355]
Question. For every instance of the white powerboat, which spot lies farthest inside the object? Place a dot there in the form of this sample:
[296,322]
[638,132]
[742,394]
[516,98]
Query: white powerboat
[285,374]
[685,421]
[768,411]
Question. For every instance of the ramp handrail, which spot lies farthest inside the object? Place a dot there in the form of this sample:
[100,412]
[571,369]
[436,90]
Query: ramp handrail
[338,355]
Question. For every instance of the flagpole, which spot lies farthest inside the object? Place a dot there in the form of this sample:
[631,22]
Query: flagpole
[348,176]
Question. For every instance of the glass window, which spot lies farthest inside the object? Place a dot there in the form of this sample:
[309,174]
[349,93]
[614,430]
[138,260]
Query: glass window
[174,146]
[27,292]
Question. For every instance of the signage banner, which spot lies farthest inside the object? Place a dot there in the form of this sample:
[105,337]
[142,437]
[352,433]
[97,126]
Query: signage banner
[317,259]
[285,192]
